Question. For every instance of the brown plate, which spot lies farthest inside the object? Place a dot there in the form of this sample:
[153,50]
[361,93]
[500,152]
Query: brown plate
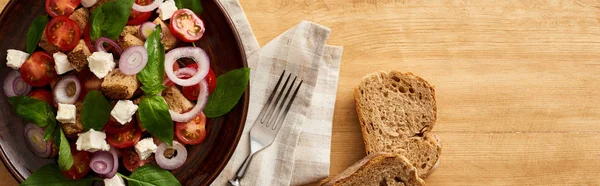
[204,162]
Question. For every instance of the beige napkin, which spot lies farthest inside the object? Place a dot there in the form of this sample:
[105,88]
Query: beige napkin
[301,151]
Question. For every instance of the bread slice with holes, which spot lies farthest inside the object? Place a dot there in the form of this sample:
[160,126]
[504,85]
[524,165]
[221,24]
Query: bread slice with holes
[397,112]
[379,169]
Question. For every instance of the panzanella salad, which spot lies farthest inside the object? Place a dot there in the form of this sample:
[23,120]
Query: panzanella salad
[112,83]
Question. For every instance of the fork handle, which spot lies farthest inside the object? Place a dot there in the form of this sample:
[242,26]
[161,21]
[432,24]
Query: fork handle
[242,170]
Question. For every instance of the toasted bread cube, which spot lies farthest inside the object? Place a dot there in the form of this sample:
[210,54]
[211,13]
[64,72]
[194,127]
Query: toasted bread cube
[47,46]
[81,17]
[119,86]
[176,101]
[131,29]
[169,40]
[78,56]
[129,41]
[72,129]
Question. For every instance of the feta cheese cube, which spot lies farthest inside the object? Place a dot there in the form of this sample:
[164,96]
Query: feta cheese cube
[145,148]
[114,181]
[123,111]
[167,9]
[101,63]
[61,62]
[15,58]
[92,141]
[66,113]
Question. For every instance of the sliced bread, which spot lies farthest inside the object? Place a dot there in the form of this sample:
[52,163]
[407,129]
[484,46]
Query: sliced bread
[379,169]
[397,112]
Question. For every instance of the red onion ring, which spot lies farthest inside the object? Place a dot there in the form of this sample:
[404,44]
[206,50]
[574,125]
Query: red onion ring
[200,104]
[173,162]
[14,85]
[147,28]
[113,172]
[147,8]
[102,162]
[34,136]
[133,60]
[197,54]
[60,90]
[100,45]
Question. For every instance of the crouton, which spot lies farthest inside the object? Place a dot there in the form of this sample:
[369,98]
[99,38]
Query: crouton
[47,46]
[72,129]
[129,41]
[81,17]
[131,29]
[169,40]
[78,56]
[119,86]
[100,2]
[176,101]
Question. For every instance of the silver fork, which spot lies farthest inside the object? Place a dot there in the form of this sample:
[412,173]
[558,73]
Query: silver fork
[269,121]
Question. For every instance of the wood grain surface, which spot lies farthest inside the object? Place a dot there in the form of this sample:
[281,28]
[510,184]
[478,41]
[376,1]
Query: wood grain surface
[516,81]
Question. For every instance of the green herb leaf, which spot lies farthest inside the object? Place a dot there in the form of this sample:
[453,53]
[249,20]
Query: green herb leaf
[195,6]
[50,175]
[155,117]
[110,18]
[49,131]
[95,111]
[151,175]
[36,29]
[230,88]
[33,110]
[65,158]
[153,73]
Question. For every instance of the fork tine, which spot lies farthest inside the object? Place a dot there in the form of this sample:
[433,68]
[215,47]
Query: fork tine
[269,113]
[282,117]
[268,103]
[273,118]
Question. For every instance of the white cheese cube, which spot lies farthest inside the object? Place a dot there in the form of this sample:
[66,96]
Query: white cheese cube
[101,63]
[15,58]
[92,141]
[145,148]
[123,111]
[114,181]
[167,9]
[66,113]
[62,64]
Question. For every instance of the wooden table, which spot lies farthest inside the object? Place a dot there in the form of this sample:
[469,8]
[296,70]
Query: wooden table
[516,81]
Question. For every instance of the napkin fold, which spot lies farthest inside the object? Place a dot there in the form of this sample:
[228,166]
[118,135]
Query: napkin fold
[300,153]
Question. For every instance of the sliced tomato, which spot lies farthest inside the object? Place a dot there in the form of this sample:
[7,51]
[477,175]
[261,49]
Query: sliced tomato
[124,139]
[191,92]
[186,25]
[61,7]
[137,18]
[81,164]
[89,82]
[132,160]
[192,132]
[63,32]
[44,95]
[38,70]
[113,126]
[87,38]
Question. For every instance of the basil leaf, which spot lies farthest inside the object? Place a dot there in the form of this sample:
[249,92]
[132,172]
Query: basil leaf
[230,88]
[155,117]
[95,111]
[151,175]
[195,6]
[110,18]
[36,29]
[65,158]
[33,110]
[49,131]
[50,175]
[153,73]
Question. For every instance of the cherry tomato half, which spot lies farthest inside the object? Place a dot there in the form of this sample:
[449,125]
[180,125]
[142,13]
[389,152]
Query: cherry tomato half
[38,70]
[192,132]
[186,25]
[132,160]
[44,95]
[137,18]
[113,126]
[63,32]
[61,7]
[81,164]
[124,139]
[191,92]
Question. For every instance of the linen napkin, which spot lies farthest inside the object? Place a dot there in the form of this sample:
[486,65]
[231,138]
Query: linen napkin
[300,153]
